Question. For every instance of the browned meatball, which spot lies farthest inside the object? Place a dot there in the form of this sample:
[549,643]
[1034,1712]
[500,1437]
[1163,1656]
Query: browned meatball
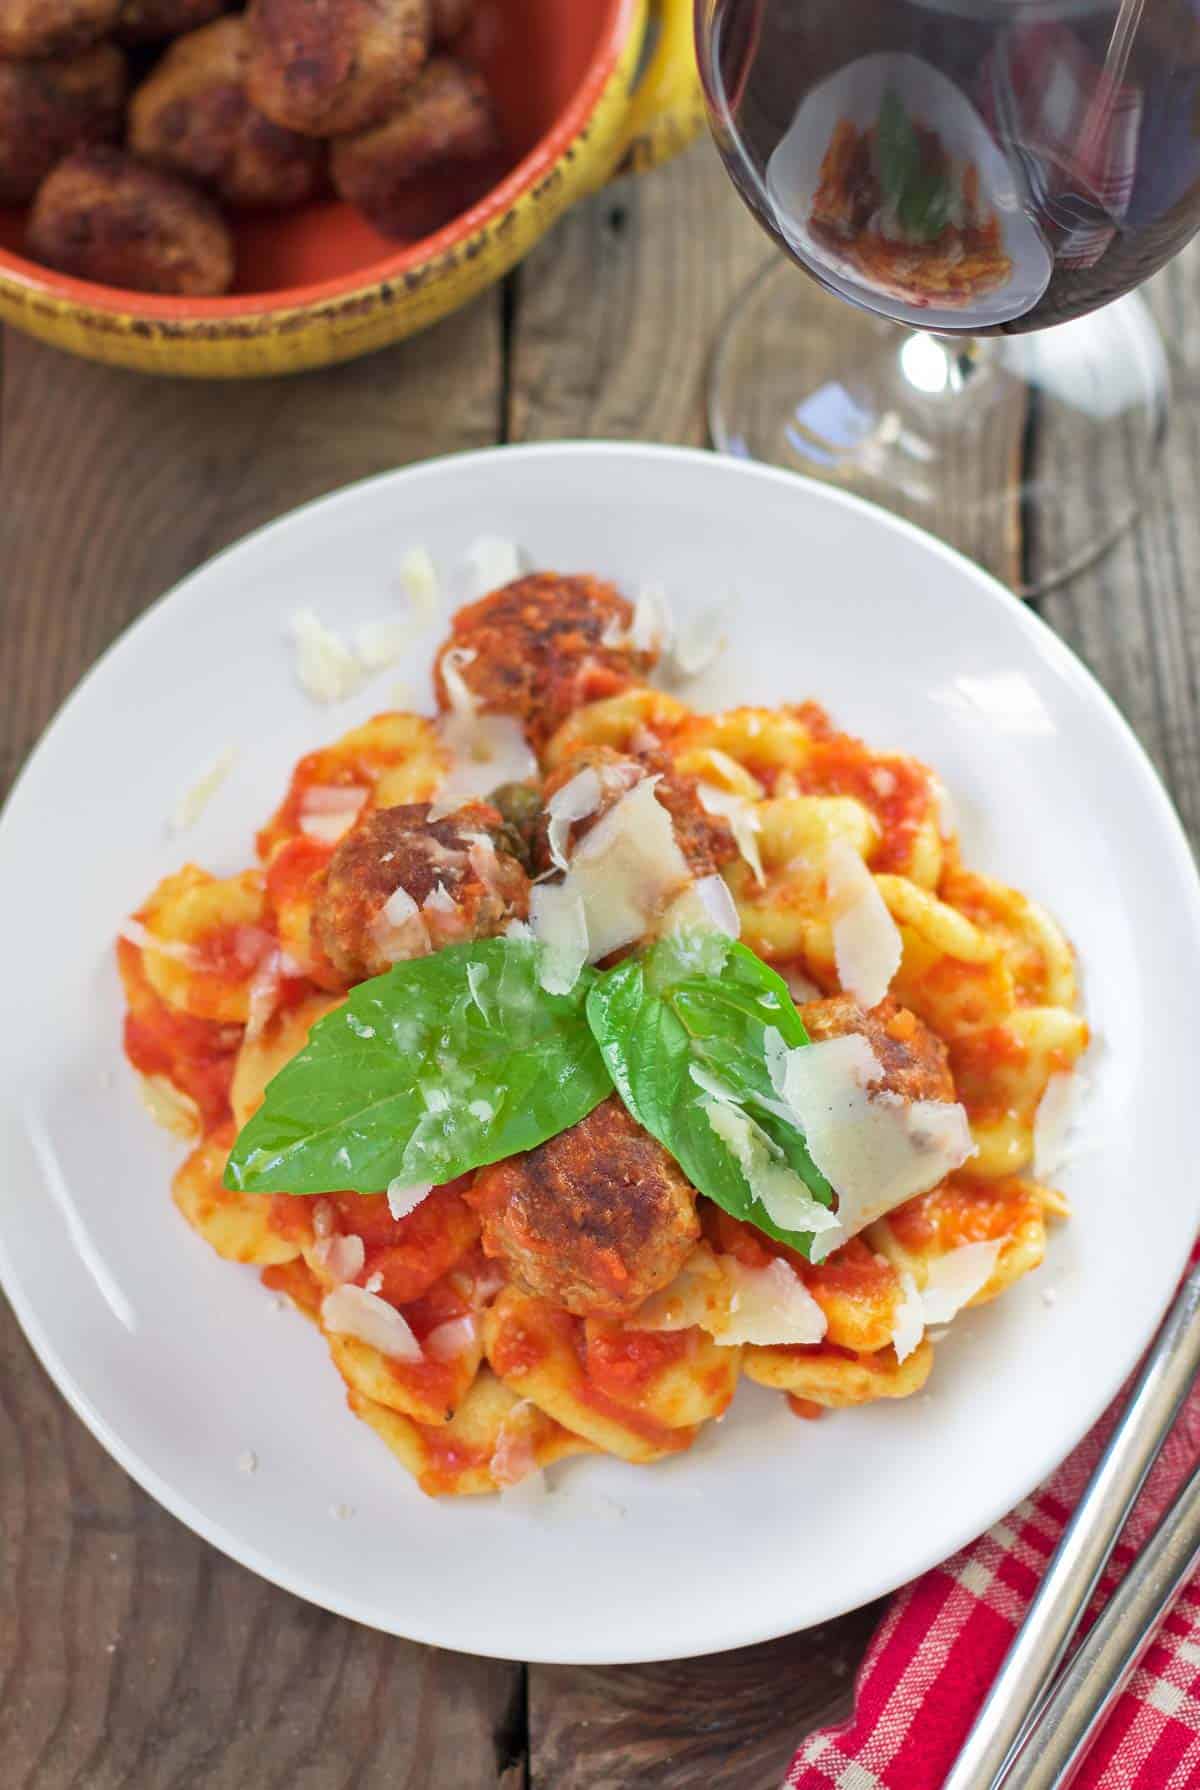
[445,118]
[915,1062]
[538,650]
[457,880]
[153,21]
[53,27]
[595,1220]
[451,18]
[103,216]
[327,66]
[705,840]
[49,108]
[192,115]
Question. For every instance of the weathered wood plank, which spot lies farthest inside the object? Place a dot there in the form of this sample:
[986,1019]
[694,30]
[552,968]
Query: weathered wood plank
[132,1654]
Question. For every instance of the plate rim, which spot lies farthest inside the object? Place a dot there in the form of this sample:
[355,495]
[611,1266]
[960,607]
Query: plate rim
[1054,651]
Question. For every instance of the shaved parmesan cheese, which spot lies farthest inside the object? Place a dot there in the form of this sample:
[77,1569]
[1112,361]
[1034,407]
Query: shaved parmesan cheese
[801,987]
[776,1186]
[195,800]
[699,643]
[461,697]
[650,631]
[373,1282]
[477,976]
[399,907]
[908,1326]
[379,644]
[325,667]
[744,823]
[352,1311]
[951,1281]
[439,900]
[943,802]
[263,993]
[328,813]
[418,575]
[485,751]
[403,1199]
[866,940]
[875,1150]
[576,800]
[559,921]
[341,1258]
[399,929]
[624,872]
[1053,1121]
[168,1106]
[492,563]
[699,1294]
[769,1306]
[706,906]
[520,930]
[514,1457]
[452,1339]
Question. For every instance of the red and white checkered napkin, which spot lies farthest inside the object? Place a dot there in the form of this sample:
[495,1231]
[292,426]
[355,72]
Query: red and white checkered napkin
[942,1641]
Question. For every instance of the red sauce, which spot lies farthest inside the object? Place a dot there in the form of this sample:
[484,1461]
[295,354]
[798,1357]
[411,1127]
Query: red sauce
[196,1055]
[290,1216]
[805,1407]
[296,1280]
[963,1211]
[410,1253]
[896,790]
[622,1363]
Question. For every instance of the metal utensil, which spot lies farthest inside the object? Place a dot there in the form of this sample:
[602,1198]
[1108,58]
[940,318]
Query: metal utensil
[1037,1650]
[1075,1710]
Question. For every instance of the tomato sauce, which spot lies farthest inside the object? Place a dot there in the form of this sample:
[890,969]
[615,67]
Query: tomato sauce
[896,791]
[196,1056]
[963,1211]
[409,1253]
[805,1407]
[622,1363]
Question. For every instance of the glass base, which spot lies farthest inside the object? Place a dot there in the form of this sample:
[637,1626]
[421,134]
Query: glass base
[1032,454]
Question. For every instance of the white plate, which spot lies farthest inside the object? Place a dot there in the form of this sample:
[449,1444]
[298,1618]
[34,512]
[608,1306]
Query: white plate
[175,1359]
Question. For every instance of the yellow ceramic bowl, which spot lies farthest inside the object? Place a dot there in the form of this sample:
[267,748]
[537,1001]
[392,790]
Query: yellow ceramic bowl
[583,88]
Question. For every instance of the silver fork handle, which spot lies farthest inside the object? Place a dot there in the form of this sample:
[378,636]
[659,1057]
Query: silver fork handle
[1074,1570]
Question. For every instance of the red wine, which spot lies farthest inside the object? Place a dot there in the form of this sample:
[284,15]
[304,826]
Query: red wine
[963,165]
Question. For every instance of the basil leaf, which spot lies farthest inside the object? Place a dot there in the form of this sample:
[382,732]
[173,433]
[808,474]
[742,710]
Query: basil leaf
[898,148]
[677,1009]
[439,1066]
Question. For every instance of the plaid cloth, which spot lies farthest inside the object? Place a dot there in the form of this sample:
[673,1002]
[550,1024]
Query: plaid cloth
[940,1645]
[1072,125]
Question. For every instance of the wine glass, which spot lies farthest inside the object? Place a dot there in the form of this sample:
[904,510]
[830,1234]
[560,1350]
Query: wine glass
[965,172]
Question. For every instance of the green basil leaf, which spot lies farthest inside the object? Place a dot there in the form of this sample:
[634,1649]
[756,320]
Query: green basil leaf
[689,1004]
[898,147]
[925,206]
[439,1066]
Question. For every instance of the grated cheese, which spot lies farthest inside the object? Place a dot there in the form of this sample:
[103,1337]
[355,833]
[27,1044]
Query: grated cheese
[418,576]
[492,563]
[875,1150]
[352,1311]
[866,940]
[326,669]
[195,799]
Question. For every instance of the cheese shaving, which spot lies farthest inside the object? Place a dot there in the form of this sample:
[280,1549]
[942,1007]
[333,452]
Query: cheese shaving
[403,1199]
[352,1311]
[908,1325]
[168,1106]
[327,813]
[439,900]
[769,1306]
[698,644]
[575,801]
[559,921]
[744,823]
[650,631]
[944,807]
[195,799]
[866,940]
[706,906]
[341,1258]
[777,1187]
[801,987]
[951,1281]
[461,697]
[326,669]
[451,1340]
[625,871]
[492,563]
[134,933]
[875,1150]
[419,579]
[263,993]
[698,1295]
[1053,1121]
[399,928]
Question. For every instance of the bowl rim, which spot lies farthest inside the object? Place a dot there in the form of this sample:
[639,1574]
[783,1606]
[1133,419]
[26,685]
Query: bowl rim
[30,277]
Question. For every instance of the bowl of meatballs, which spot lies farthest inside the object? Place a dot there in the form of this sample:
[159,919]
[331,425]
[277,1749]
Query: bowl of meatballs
[190,188]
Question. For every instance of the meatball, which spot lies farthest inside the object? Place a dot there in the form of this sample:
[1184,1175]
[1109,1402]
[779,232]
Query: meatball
[153,21]
[192,115]
[705,840]
[543,646]
[915,1062]
[327,66]
[445,117]
[49,108]
[103,216]
[454,879]
[451,18]
[54,27]
[595,1220]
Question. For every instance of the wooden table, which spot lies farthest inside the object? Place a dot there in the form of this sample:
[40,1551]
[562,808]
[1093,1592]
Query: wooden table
[131,1653]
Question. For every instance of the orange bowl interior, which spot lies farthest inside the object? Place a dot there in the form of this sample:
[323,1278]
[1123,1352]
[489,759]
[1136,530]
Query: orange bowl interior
[545,62]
